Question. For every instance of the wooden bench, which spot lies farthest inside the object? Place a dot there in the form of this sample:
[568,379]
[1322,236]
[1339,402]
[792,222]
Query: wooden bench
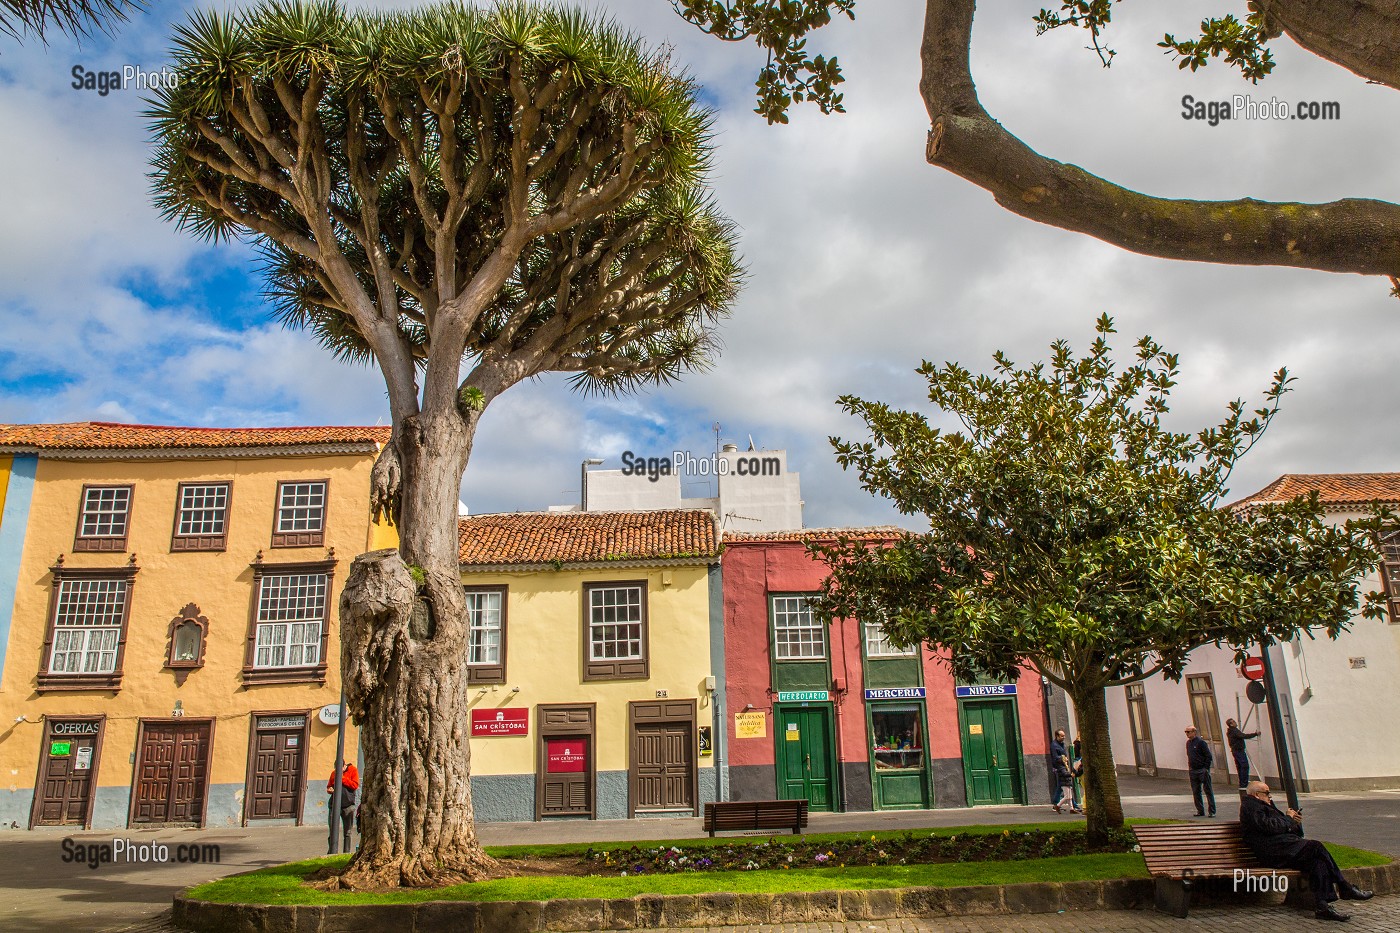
[1178,854]
[756,814]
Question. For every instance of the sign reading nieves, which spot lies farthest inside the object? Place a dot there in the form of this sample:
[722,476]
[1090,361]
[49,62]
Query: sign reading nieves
[986,690]
[895,693]
[798,696]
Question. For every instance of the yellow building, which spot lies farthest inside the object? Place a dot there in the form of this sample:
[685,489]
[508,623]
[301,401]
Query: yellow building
[167,619]
[595,646]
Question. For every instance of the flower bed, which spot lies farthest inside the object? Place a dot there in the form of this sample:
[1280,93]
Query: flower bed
[909,849]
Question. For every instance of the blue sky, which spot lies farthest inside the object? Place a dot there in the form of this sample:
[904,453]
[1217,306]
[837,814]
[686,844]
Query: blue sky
[863,260]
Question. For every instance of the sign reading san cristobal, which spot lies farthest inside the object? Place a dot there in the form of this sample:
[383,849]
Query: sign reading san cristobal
[801,696]
[986,690]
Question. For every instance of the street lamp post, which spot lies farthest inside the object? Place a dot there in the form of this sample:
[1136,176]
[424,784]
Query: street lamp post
[583,481]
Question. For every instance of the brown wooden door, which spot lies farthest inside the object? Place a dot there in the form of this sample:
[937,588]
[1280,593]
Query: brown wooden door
[277,776]
[172,772]
[565,769]
[66,784]
[664,761]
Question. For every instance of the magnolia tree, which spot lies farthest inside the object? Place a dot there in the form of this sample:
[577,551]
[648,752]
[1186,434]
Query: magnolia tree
[465,198]
[1350,235]
[1071,529]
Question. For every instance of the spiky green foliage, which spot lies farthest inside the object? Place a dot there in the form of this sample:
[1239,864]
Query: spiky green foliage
[390,166]
[71,17]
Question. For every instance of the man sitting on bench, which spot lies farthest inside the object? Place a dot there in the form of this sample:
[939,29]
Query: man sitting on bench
[1277,841]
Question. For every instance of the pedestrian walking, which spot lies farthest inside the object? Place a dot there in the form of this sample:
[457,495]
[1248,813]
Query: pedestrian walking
[1276,839]
[1199,759]
[1064,778]
[1076,762]
[349,800]
[1235,736]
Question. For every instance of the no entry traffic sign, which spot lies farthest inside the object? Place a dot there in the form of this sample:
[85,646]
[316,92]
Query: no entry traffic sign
[1253,668]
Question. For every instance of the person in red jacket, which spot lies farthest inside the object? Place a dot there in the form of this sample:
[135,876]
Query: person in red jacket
[349,799]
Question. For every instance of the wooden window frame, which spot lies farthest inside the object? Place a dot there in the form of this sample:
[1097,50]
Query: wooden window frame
[490,673]
[253,718]
[287,675]
[46,681]
[825,657]
[104,544]
[1391,591]
[48,736]
[181,543]
[301,538]
[616,668]
[865,629]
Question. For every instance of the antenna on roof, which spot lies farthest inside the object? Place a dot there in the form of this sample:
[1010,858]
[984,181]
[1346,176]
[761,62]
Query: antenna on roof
[751,446]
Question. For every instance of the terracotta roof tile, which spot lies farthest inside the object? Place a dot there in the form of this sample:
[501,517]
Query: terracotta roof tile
[104,435]
[872,533]
[1335,489]
[581,537]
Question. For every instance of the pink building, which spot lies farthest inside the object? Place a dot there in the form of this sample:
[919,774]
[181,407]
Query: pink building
[842,718]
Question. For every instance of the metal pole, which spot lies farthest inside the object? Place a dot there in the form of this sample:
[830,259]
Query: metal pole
[1285,764]
[334,845]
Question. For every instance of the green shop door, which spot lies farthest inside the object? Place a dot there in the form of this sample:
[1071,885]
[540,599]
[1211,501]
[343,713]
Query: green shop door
[991,752]
[804,756]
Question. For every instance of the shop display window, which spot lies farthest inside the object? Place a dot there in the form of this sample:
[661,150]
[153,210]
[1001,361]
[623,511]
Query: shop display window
[898,734]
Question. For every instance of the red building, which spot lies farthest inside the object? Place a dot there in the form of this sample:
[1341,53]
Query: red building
[839,716]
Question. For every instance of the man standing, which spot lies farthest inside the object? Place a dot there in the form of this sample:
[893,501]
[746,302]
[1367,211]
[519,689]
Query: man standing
[1198,760]
[1064,779]
[1277,841]
[1236,738]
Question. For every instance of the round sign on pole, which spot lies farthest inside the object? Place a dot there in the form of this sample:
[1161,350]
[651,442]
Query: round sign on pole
[1255,692]
[1253,668]
[330,714]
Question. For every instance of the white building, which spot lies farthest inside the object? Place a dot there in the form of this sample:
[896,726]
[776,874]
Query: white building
[1336,697]
[755,491]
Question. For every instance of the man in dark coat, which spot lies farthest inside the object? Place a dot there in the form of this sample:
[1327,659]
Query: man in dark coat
[1236,736]
[1277,841]
[1199,758]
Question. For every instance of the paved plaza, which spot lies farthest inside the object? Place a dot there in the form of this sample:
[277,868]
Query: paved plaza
[43,893]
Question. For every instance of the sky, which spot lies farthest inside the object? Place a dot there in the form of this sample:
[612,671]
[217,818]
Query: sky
[863,260]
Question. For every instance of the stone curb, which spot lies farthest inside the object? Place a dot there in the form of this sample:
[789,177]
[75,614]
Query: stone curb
[649,911]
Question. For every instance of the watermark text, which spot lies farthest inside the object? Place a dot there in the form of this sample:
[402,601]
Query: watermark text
[130,852]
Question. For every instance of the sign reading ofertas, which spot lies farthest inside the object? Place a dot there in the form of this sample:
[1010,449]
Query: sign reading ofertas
[509,721]
[986,690]
[895,693]
[798,696]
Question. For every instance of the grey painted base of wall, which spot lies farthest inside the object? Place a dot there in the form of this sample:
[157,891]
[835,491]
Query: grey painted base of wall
[855,786]
[1383,782]
[510,798]
[113,804]
[1037,779]
[654,911]
[949,783]
[753,782]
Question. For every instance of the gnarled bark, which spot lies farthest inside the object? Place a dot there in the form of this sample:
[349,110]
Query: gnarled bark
[1362,36]
[1103,810]
[1350,235]
[406,679]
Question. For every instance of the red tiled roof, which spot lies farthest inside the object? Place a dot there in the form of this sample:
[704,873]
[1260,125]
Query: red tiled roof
[105,435]
[582,537]
[1335,489]
[872,533]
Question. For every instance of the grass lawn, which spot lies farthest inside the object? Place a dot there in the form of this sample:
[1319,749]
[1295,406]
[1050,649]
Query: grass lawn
[282,884]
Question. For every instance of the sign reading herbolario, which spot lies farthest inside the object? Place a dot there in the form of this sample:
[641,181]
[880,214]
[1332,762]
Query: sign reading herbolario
[509,721]
[566,756]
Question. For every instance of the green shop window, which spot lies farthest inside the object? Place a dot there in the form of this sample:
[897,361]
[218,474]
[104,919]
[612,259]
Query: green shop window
[899,774]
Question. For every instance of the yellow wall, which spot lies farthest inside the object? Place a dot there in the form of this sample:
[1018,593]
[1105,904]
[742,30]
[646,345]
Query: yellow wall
[544,658]
[5,464]
[221,583]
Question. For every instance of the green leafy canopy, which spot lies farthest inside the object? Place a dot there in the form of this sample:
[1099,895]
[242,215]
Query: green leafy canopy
[1069,527]
[391,165]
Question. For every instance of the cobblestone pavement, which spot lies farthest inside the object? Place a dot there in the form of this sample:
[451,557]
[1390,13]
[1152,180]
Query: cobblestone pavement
[42,893]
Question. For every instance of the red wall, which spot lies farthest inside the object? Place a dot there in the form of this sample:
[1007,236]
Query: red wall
[753,570]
